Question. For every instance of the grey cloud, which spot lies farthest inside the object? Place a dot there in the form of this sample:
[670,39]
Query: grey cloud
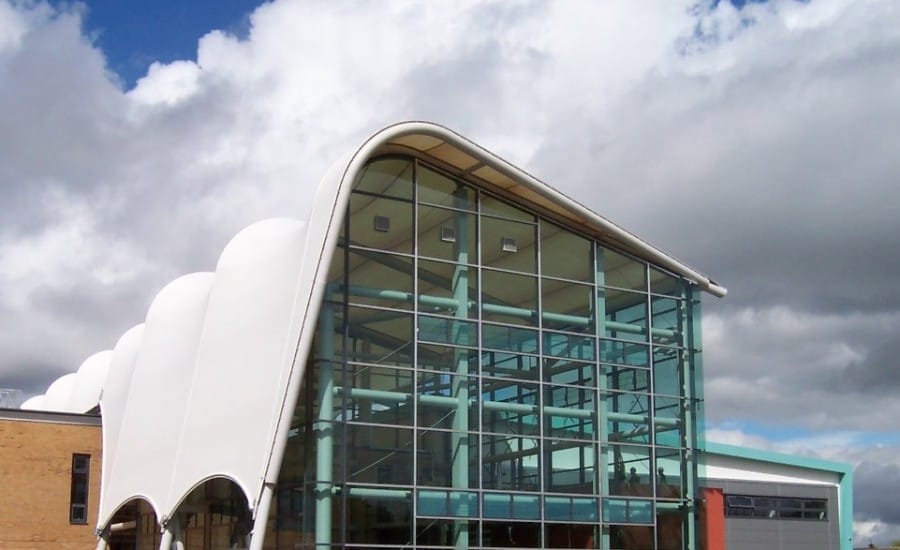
[878,374]
[875,497]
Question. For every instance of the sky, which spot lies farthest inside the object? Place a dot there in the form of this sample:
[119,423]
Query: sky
[756,141]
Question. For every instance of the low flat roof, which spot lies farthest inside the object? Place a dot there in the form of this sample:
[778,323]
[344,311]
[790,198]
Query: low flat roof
[25,415]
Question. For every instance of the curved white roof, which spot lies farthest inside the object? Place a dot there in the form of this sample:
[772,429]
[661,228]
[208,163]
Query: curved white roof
[207,386]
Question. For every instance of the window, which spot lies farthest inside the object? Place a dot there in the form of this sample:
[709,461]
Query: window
[81,466]
[775,507]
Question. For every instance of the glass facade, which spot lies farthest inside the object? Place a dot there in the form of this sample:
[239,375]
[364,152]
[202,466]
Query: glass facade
[485,377]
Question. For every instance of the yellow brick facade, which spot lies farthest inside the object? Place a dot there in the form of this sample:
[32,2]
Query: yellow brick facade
[35,475]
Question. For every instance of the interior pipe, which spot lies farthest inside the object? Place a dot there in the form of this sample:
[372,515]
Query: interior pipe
[504,406]
[512,311]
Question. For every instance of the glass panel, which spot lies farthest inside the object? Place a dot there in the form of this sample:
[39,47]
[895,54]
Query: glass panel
[509,365]
[634,427]
[565,255]
[624,353]
[375,278]
[511,534]
[509,338]
[510,463]
[496,207]
[668,474]
[508,298]
[390,176]
[666,371]
[385,224]
[436,188]
[629,431]
[437,282]
[666,313]
[383,520]
[577,424]
[447,358]
[439,413]
[447,235]
[508,245]
[621,271]
[509,406]
[378,398]
[436,453]
[506,505]
[571,535]
[626,315]
[663,283]
[562,509]
[621,510]
[627,379]
[569,345]
[668,408]
[570,467]
[447,503]
[445,533]
[378,336]
[669,434]
[631,473]
[567,306]
[447,331]
[564,371]
[336,273]
[631,537]
[374,454]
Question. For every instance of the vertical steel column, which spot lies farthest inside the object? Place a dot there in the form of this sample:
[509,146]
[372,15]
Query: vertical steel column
[651,399]
[325,428]
[689,327]
[602,405]
[460,435]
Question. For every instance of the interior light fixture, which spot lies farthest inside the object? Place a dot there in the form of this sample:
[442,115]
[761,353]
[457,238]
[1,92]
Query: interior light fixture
[382,224]
[448,234]
[508,244]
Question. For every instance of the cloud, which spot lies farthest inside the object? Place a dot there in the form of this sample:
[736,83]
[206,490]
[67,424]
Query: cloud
[758,144]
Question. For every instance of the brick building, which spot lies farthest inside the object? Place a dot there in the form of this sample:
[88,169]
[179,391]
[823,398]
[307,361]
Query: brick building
[50,474]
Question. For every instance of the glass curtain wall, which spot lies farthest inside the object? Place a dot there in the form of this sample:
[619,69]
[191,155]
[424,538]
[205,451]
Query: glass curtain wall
[483,378]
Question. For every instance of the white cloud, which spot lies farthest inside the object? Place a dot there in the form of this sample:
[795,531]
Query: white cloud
[167,84]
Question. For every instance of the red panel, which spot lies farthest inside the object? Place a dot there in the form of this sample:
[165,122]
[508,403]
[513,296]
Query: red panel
[713,519]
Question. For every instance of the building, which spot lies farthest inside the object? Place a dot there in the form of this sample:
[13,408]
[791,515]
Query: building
[771,500]
[50,474]
[445,353]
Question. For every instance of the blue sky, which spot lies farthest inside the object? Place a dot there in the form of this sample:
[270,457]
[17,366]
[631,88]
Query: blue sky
[135,33]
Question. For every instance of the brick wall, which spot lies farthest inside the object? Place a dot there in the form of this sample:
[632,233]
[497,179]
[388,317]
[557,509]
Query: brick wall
[35,477]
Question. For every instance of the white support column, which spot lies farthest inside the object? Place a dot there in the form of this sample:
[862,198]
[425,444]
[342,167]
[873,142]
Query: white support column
[165,543]
[103,540]
[258,534]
